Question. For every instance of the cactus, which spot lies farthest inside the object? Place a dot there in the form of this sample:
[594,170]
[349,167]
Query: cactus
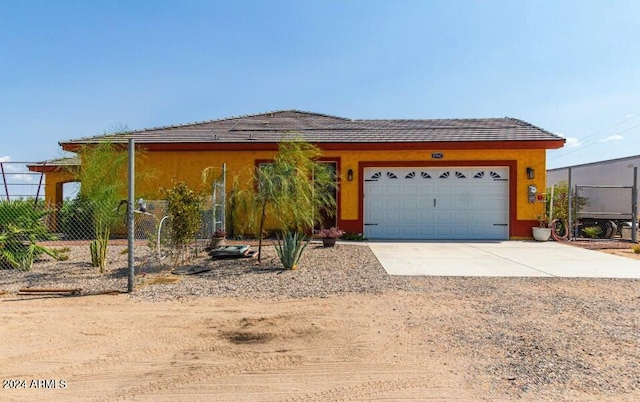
[98,250]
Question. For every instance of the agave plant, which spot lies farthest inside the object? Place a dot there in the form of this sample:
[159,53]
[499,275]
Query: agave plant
[290,248]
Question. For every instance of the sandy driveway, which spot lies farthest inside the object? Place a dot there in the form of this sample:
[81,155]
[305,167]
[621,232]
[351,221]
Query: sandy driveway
[337,329]
[110,348]
[546,341]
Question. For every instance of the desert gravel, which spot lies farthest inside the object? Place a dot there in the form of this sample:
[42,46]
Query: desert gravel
[541,338]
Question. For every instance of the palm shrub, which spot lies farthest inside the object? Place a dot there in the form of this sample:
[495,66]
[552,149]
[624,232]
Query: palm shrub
[291,192]
[102,186]
[21,227]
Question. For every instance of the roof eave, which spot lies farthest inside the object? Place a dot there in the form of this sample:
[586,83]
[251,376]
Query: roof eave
[334,146]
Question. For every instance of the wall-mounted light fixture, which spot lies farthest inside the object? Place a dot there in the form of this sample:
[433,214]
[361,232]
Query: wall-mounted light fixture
[531,173]
[350,175]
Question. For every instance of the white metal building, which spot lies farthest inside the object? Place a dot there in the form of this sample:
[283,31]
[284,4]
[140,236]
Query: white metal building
[612,172]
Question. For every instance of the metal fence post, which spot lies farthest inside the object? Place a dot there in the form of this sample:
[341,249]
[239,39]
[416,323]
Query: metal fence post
[130,216]
[634,206]
[570,210]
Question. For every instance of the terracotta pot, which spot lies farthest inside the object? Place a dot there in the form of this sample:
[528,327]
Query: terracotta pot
[328,241]
[217,242]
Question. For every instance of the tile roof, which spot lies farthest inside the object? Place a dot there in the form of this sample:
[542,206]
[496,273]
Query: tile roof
[65,161]
[273,127]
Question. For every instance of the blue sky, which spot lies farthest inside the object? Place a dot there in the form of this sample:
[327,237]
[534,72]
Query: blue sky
[78,68]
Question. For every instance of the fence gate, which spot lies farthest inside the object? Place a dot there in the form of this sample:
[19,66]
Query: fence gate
[214,212]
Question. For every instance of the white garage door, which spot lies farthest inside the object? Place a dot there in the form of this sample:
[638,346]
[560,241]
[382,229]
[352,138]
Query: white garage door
[442,203]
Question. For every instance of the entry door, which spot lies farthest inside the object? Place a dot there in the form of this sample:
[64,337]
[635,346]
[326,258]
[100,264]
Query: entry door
[442,203]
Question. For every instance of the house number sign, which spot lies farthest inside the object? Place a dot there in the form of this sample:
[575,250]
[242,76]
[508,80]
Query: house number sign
[437,155]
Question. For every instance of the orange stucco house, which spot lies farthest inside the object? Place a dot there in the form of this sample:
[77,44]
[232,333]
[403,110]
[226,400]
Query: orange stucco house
[398,179]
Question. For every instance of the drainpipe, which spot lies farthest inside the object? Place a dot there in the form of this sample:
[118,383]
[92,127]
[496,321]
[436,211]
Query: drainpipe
[634,206]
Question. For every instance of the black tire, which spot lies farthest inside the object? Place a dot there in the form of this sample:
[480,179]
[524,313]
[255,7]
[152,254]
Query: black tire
[559,230]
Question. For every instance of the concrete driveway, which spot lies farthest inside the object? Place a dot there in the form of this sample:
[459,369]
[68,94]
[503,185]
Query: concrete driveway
[500,258]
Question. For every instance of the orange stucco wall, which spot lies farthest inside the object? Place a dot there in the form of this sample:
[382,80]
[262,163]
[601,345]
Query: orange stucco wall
[53,186]
[162,167]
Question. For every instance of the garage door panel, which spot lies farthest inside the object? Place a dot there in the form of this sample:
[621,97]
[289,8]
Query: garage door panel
[477,218]
[392,189]
[393,203]
[394,231]
[374,232]
[410,203]
[495,188]
[460,218]
[374,203]
[426,216]
[460,191]
[426,189]
[496,217]
[443,217]
[461,203]
[443,203]
[469,203]
[444,232]
[443,190]
[376,216]
[409,232]
[426,232]
[392,215]
[374,189]
[409,190]
[409,216]
[461,231]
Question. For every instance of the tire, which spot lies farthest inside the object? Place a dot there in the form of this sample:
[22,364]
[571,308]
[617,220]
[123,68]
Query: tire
[559,230]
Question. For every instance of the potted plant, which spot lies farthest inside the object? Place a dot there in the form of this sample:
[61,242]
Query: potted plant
[542,232]
[329,236]
[217,238]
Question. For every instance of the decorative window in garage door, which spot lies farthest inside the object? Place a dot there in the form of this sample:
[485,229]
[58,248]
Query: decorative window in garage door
[426,175]
[494,175]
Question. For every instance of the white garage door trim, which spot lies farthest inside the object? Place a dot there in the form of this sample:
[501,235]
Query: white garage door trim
[444,203]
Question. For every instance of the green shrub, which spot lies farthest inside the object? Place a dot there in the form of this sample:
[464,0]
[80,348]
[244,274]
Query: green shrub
[183,209]
[76,219]
[21,227]
[592,231]
[353,237]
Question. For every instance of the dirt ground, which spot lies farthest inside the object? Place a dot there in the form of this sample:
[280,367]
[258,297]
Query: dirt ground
[422,338]
[548,340]
[617,247]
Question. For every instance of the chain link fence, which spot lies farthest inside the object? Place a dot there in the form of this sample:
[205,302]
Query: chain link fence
[603,211]
[593,204]
[74,224]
